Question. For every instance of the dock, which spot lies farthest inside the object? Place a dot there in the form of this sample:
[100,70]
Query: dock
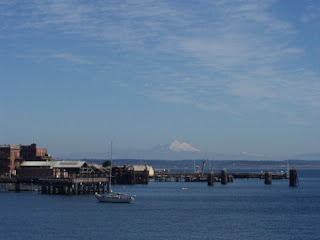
[89,185]
[199,177]
[65,186]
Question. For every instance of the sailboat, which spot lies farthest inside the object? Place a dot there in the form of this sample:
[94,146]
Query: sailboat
[114,197]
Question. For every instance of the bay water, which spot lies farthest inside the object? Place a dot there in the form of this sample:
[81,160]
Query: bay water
[244,209]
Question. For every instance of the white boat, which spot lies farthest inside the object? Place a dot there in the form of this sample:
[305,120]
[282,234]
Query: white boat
[114,197]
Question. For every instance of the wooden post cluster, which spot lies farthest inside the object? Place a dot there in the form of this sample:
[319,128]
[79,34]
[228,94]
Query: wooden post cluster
[73,189]
[224,176]
[17,187]
[293,178]
[211,179]
[230,178]
[268,177]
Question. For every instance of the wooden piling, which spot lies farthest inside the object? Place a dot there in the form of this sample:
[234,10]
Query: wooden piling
[62,190]
[224,176]
[17,187]
[211,179]
[76,189]
[293,178]
[230,178]
[268,177]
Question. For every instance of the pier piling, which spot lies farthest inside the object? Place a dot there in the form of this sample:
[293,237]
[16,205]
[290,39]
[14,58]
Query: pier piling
[230,178]
[293,178]
[224,176]
[211,179]
[268,177]
[18,187]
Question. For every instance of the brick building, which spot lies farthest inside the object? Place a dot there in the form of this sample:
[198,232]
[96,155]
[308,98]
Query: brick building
[9,159]
[32,153]
[12,155]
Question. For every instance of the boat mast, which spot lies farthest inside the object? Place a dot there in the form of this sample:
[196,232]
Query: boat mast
[110,172]
[211,163]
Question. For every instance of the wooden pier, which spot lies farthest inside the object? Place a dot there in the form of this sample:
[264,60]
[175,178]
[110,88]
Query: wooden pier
[77,183]
[222,176]
[76,186]
[66,186]
[73,186]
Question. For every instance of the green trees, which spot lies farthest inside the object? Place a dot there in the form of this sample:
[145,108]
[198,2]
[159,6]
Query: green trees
[106,163]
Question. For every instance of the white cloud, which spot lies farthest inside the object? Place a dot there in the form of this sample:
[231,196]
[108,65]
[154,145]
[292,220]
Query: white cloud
[218,56]
[182,147]
[311,13]
[70,58]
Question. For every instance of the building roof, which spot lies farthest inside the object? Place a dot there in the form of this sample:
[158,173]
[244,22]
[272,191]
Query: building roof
[97,167]
[141,167]
[10,146]
[69,164]
[38,164]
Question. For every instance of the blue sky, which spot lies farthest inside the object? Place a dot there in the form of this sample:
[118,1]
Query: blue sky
[161,79]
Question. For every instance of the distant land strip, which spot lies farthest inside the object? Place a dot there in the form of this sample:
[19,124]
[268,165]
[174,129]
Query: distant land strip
[217,164]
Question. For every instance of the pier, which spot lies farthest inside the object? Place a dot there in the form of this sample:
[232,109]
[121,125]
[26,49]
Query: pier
[67,186]
[222,176]
[90,185]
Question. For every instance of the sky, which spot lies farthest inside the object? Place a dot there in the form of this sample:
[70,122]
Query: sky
[162,79]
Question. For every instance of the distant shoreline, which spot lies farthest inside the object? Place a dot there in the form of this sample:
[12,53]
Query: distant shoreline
[217,164]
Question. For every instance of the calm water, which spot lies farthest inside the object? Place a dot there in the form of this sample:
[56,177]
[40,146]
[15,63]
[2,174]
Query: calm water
[244,209]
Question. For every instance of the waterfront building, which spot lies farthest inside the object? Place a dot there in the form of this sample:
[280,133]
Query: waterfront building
[131,174]
[71,169]
[33,153]
[54,169]
[98,170]
[36,169]
[11,156]
[9,159]
[141,168]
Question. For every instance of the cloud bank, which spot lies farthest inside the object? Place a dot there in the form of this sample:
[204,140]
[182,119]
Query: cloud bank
[228,56]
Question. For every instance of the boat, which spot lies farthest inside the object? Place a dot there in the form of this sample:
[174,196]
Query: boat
[184,188]
[114,197]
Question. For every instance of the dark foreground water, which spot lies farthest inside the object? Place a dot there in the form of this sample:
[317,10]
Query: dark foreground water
[244,209]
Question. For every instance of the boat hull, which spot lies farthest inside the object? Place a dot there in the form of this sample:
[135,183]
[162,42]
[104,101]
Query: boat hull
[114,199]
